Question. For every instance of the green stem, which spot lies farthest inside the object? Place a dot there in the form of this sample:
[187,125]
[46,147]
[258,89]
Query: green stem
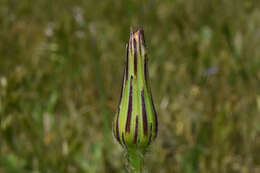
[135,161]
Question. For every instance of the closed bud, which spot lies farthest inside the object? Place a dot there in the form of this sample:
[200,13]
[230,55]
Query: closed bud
[135,125]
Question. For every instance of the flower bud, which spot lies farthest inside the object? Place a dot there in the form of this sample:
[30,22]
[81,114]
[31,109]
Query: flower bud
[135,124]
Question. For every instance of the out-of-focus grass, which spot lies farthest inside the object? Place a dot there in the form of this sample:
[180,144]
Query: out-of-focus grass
[61,66]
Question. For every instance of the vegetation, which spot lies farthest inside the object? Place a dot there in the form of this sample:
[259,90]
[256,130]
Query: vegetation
[61,66]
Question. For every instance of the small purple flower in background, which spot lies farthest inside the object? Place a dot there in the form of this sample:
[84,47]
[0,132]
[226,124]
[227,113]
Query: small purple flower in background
[210,71]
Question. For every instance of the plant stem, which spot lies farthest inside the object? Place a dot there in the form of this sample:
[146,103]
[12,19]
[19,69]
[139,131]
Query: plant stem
[135,161]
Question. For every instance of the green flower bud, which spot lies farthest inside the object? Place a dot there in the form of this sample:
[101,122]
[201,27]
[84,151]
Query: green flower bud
[135,124]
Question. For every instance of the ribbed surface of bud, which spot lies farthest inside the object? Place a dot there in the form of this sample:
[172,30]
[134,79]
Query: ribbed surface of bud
[135,125]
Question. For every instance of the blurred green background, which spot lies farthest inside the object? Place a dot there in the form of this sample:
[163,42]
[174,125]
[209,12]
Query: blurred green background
[61,65]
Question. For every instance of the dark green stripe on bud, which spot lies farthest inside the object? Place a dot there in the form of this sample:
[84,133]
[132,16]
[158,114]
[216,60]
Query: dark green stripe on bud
[135,124]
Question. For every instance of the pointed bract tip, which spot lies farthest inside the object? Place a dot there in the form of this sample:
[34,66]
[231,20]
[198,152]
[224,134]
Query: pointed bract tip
[131,31]
[140,29]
